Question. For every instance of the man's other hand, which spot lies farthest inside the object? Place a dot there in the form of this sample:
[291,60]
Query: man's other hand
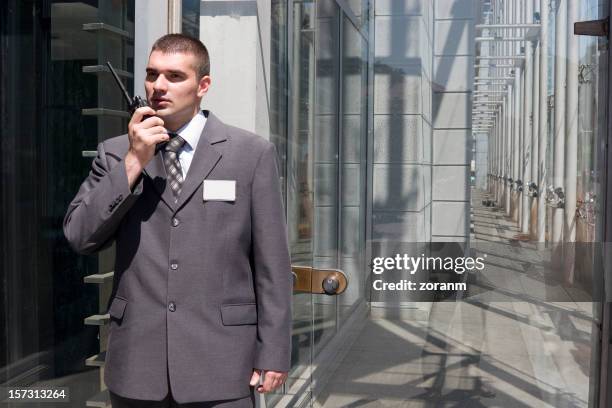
[144,135]
[271,380]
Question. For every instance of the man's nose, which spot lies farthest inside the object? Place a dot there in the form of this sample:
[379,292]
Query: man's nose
[160,83]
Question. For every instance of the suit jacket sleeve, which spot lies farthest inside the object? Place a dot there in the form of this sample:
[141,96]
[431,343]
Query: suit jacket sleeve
[272,267]
[97,209]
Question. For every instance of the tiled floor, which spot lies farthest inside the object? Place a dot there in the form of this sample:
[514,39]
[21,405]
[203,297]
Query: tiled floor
[520,337]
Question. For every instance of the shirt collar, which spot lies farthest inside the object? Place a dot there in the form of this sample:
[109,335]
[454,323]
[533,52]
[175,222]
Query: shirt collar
[192,130]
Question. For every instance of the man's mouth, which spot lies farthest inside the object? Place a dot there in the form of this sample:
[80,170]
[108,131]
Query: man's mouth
[160,101]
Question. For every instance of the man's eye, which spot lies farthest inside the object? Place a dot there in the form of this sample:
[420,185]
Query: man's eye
[151,76]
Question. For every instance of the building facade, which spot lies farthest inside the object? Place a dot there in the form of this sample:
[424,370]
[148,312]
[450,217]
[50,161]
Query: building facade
[435,128]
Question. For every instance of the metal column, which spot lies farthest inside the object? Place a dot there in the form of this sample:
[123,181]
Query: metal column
[520,90]
[500,115]
[533,207]
[559,135]
[527,123]
[509,18]
[543,123]
[516,142]
[509,149]
[571,124]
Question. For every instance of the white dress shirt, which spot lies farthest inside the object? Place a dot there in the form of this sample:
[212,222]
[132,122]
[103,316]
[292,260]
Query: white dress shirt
[191,132]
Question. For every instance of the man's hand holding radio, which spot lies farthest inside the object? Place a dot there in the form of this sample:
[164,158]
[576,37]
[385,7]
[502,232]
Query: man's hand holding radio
[144,135]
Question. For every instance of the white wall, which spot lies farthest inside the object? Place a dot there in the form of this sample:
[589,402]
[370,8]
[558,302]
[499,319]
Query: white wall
[237,35]
[151,22]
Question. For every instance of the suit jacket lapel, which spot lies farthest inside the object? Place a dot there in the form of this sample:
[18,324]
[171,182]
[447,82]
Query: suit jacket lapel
[207,154]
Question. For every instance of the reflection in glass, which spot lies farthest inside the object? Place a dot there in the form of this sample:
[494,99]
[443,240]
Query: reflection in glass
[190,11]
[326,193]
[353,166]
[292,93]
[53,84]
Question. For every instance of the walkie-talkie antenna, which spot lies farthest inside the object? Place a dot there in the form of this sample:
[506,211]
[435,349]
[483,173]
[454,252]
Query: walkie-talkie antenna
[121,86]
[133,103]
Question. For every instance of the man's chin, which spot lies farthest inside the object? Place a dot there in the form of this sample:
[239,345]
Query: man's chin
[161,111]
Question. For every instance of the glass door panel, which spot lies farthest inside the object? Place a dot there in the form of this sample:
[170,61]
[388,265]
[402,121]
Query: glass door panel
[353,167]
[296,115]
[326,188]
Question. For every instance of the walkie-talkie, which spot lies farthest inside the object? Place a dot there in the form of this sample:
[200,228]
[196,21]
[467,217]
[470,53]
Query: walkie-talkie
[133,103]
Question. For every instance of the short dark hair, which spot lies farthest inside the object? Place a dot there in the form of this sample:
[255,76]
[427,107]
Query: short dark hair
[175,43]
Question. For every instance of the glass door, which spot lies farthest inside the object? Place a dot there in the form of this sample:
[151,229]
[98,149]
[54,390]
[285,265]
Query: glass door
[592,125]
[324,160]
[295,25]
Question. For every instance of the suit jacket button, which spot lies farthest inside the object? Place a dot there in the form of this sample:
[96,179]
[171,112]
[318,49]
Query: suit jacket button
[172,306]
[174,266]
[175,222]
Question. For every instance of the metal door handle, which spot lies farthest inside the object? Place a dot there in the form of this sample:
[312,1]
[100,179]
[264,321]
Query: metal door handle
[596,28]
[319,281]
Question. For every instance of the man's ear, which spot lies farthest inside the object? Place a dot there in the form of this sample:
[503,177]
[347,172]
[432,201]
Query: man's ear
[203,85]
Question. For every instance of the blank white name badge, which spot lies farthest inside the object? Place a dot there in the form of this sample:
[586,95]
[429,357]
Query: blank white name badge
[219,190]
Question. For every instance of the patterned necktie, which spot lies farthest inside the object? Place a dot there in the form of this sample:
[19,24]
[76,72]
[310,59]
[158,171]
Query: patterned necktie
[173,166]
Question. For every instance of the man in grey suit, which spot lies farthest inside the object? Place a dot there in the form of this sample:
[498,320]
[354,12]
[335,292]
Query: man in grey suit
[201,299]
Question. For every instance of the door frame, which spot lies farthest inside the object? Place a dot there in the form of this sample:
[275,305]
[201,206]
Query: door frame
[605,363]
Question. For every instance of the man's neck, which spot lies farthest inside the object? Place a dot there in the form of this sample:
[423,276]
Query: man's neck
[179,123]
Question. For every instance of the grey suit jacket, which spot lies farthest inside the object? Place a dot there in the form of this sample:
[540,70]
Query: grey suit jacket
[200,287]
